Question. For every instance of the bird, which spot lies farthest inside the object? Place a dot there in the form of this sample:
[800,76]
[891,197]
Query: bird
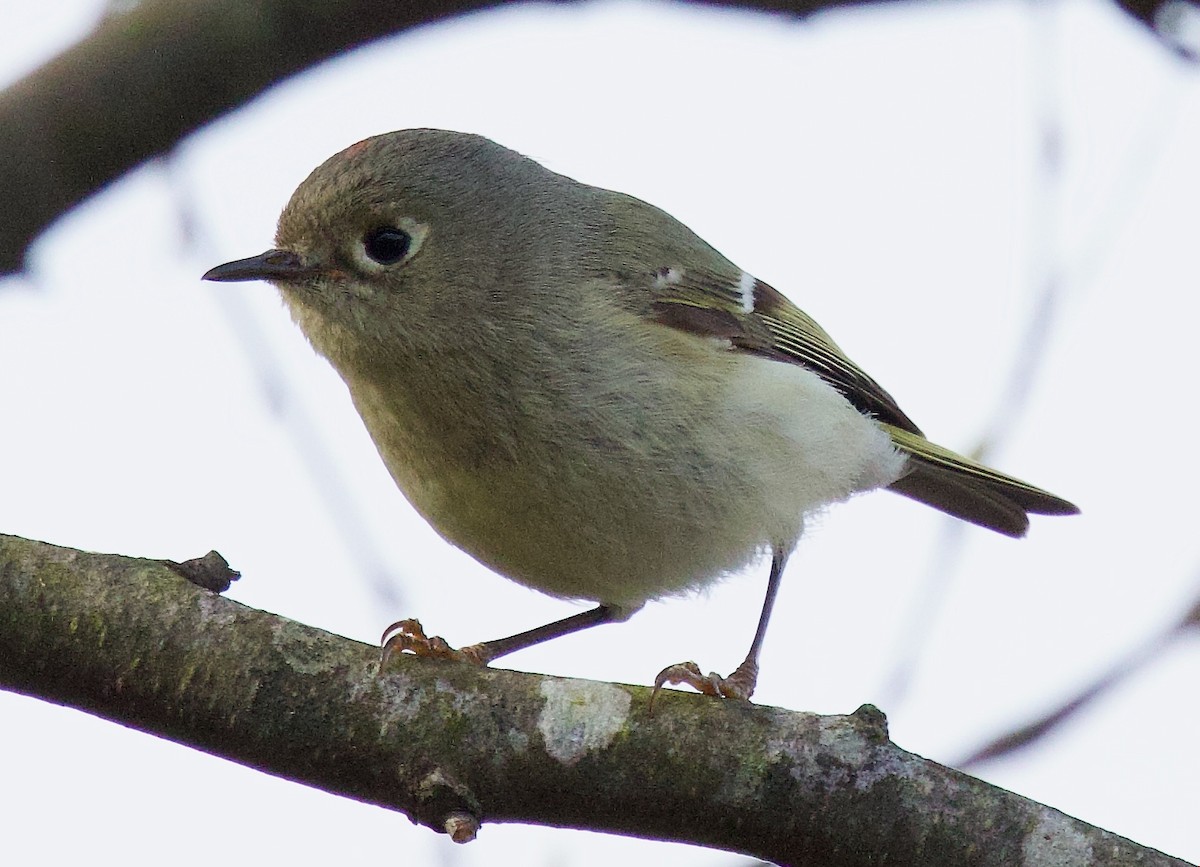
[574,388]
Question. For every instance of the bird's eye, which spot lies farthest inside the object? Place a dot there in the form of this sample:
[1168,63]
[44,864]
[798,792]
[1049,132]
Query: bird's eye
[389,244]
[386,245]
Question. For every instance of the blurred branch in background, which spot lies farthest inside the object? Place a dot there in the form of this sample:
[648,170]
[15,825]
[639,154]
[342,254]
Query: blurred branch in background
[1057,275]
[151,75]
[452,745]
[1120,673]
[157,70]
[1045,269]
[284,399]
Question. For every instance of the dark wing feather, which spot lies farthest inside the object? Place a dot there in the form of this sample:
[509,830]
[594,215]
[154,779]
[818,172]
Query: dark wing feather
[710,305]
[966,489]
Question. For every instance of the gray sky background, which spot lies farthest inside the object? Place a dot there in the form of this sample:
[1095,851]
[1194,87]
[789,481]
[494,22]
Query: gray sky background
[879,166]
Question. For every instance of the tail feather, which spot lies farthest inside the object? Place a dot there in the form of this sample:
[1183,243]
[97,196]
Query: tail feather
[968,490]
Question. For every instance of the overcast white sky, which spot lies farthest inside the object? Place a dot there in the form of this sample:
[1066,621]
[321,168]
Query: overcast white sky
[879,166]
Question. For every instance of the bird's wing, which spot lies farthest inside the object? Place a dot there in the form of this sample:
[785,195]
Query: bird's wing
[756,318]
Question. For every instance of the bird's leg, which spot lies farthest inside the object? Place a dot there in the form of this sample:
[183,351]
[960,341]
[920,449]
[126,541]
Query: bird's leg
[407,635]
[741,683]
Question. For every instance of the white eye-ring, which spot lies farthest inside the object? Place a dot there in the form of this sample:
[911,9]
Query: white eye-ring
[389,244]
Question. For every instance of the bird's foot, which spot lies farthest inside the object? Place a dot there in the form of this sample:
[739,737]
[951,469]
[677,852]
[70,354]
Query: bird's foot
[408,636]
[739,685]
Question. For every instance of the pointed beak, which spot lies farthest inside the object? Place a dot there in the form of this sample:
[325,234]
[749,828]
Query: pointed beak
[271,265]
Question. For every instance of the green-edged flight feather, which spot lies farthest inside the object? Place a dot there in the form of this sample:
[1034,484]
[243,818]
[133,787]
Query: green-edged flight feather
[776,328]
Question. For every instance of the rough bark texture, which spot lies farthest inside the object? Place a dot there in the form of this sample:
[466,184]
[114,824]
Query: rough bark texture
[148,76]
[451,745]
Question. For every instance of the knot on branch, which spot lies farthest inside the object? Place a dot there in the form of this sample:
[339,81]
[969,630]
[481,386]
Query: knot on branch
[444,804]
[212,571]
[872,723]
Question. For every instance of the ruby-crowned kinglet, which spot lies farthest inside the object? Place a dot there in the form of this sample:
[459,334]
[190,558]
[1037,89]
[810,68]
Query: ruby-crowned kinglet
[570,385]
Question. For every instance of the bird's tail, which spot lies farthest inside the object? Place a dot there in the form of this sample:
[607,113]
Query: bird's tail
[968,490]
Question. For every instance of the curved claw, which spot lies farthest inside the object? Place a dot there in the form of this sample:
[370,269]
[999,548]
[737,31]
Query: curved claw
[408,636]
[739,685]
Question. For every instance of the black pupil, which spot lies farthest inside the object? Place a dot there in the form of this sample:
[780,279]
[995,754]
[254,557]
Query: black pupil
[387,245]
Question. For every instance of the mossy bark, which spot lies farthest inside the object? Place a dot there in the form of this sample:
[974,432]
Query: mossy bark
[451,745]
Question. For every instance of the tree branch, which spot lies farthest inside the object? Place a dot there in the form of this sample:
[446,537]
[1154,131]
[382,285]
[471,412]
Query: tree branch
[151,74]
[451,745]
